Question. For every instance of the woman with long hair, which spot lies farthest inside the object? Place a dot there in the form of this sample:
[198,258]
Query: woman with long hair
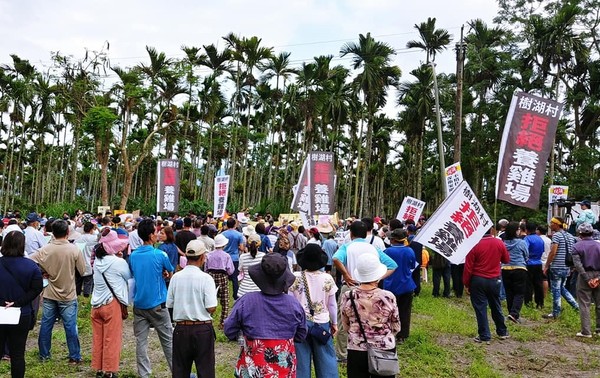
[514,274]
[247,260]
[111,273]
[167,238]
[20,284]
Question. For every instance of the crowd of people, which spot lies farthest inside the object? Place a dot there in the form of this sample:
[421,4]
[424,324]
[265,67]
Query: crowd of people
[331,292]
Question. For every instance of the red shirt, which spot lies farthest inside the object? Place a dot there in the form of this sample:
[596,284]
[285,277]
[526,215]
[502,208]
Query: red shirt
[485,258]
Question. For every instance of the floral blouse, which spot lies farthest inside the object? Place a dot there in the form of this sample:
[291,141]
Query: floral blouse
[379,316]
[322,291]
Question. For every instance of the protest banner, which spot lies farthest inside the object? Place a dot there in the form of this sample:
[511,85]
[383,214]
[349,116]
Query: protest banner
[453,177]
[411,208]
[527,141]
[456,226]
[301,199]
[321,183]
[167,193]
[220,195]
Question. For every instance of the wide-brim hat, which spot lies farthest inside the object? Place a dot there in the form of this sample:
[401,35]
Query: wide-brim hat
[272,275]
[369,268]
[312,257]
[112,243]
[324,228]
[248,230]
[221,241]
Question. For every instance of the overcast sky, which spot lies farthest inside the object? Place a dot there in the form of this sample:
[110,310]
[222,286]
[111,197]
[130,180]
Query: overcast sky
[306,28]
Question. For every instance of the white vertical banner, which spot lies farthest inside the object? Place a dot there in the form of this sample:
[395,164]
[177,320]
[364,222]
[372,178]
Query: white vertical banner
[454,177]
[220,199]
[411,209]
[456,226]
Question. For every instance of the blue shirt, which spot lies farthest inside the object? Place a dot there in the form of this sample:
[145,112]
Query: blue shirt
[235,239]
[517,249]
[265,244]
[171,250]
[535,244]
[330,246]
[342,254]
[147,265]
[401,282]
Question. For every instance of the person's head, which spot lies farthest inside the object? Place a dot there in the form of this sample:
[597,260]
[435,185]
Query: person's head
[502,223]
[530,227]
[585,230]
[33,220]
[368,268]
[314,232]
[358,230]
[220,241]
[204,230]
[195,252]
[48,225]
[178,224]
[146,230]
[111,243]
[301,229]
[106,221]
[395,223]
[312,257]
[585,204]
[88,227]
[411,229]
[272,275]
[253,244]
[13,244]
[231,223]
[60,229]
[556,224]
[399,237]
[542,229]
[197,223]
[166,235]
[368,223]
[512,231]
[187,222]
[260,228]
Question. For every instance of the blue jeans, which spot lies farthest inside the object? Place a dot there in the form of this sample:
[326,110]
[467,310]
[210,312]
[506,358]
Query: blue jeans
[67,311]
[484,292]
[558,279]
[323,355]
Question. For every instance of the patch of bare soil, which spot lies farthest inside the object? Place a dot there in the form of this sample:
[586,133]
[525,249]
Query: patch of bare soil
[563,358]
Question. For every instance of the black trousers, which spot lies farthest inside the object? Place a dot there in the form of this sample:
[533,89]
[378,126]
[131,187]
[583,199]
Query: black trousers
[404,303]
[457,283]
[515,282]
[194,344]
[15,336]
[535,285]
[438,274]
[358,365]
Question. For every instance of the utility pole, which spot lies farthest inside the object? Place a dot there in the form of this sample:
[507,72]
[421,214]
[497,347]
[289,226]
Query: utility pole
[439,129]
[461,50]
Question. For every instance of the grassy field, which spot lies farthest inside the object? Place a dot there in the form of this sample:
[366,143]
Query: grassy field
[440,345]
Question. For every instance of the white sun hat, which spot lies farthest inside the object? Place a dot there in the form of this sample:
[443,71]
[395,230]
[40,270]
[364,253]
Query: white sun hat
[369,268]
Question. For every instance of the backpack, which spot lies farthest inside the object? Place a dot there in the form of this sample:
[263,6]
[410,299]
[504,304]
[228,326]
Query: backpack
[294,247]
[283,242]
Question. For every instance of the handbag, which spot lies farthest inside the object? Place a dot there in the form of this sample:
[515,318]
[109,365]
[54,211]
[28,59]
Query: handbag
[124,309]
[316,332]
[381,362]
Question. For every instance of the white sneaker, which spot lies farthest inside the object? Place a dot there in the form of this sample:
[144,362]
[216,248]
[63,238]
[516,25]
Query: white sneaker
[579,334]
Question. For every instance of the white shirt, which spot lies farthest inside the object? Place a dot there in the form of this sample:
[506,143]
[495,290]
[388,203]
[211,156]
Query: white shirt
[191,292]
[134,240]
[34,240]
[375,241]
[9,228]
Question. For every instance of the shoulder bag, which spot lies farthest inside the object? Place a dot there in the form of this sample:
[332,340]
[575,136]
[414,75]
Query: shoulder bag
[124,310]
[19,285]
[568,256]
[381,362]
[316,332]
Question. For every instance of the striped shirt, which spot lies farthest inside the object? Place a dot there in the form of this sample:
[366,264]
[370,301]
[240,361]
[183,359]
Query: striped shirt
[565,241]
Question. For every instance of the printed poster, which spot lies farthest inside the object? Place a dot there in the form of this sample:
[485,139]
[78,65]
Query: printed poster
[167,192]
[453,177]
[220,197]
[557,193]
[411,209]
[456,226]
[527,142]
